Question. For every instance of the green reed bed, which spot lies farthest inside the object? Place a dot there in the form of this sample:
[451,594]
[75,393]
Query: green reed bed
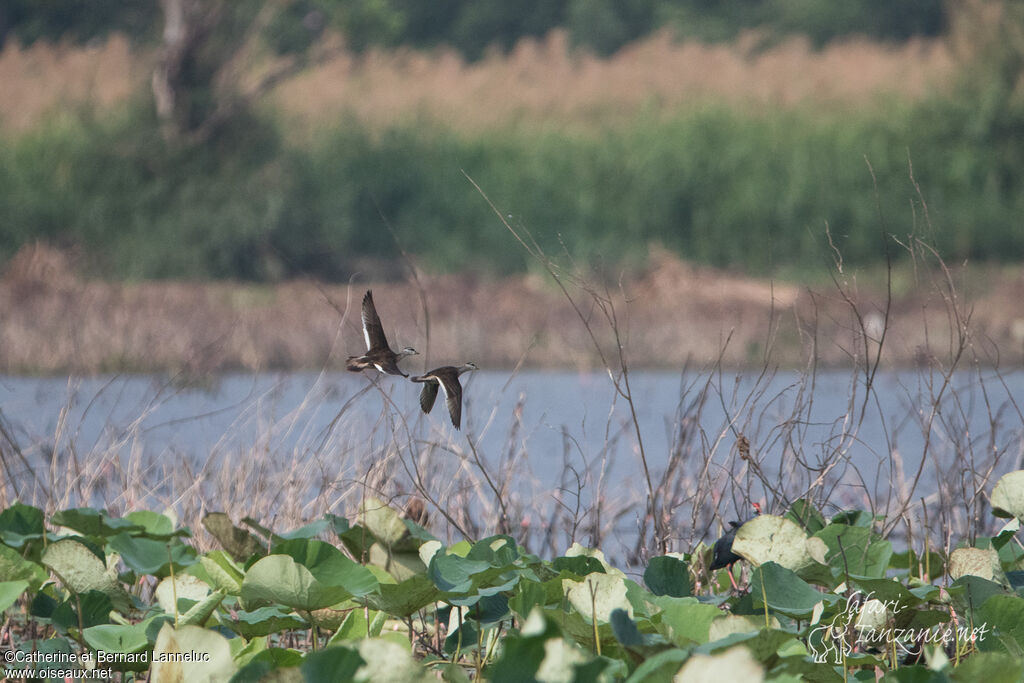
[719,185]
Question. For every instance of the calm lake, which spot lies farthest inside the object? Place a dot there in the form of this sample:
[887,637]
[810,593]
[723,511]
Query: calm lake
[549,417]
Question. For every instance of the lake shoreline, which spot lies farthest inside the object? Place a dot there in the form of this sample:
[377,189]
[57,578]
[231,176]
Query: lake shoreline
[671,315]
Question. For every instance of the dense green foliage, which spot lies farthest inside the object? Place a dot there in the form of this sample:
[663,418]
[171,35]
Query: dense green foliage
[826,600]
[718,186]
[471,26]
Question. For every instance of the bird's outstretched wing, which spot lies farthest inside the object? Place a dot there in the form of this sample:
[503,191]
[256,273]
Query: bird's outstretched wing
[453,397]
[428,394]
[373,331]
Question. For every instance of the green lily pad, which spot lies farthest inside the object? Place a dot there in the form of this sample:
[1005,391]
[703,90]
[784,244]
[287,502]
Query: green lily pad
[1008,495]
[14,567]
[80,570]
[190,653]
[991,667]
[19,524]
[685,621]
[382,521]
[806,515]
[1003,617]
[405,598]
[308,531]
[280,579]
[92,522]
[332,664]
[155,524]
[784,591]
[976,562]
[668,575]
[523,654]
[116,638]
[10,591]
[768,538]
[356,626]
[385,660]
[735,664]
[264,621]
[329,565]
[597,595]
[452,573]
[222,571]
[91,608]
[856,550]
[149,556]
[183,586]
[239,543]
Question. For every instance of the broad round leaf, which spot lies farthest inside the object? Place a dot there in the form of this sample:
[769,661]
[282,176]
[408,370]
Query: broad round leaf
[734,623]
[386,660]
[238,542]
[117,638]
[597,595]
[1008,495]
[182,586]
[90,522]
[279,578]
[976,562]
[686,620]
[14,567]
[80,570]
[206,655]
[328,565]
[151,556]
[264,621]
[560,661]
[10,591]
[668,575]
[735,664]
[784,591]
[404,598]
[382,521]
[20,523]
[1006,614]
[768,538]
[200,612]
[222,571]
[331,664]
[154,523]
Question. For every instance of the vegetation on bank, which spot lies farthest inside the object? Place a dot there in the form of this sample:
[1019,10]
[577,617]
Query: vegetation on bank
[717,186]
[199,179]
[380,598]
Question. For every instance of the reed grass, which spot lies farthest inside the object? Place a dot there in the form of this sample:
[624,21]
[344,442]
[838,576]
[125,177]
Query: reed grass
[540,83]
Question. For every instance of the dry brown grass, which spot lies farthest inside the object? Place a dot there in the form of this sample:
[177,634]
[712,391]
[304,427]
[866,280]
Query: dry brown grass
[545,83]
[45,78]
[56,322]
[539,83]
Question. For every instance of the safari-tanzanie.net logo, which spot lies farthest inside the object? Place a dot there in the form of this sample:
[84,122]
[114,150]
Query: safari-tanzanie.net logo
[867,621]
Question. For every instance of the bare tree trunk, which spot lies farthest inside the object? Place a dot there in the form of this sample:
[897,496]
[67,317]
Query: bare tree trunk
[166,75]
[195,81]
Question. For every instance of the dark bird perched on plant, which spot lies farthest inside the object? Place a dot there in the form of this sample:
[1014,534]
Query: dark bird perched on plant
[447,379]
[722,556]
[378,352]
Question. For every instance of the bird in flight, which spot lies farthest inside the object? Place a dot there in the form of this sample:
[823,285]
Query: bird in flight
[378,352]
[447,379]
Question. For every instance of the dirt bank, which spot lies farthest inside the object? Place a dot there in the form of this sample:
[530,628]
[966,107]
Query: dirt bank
[55,322]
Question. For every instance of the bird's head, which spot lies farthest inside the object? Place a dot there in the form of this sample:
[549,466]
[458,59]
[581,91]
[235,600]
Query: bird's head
[470,365]
[409,351]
